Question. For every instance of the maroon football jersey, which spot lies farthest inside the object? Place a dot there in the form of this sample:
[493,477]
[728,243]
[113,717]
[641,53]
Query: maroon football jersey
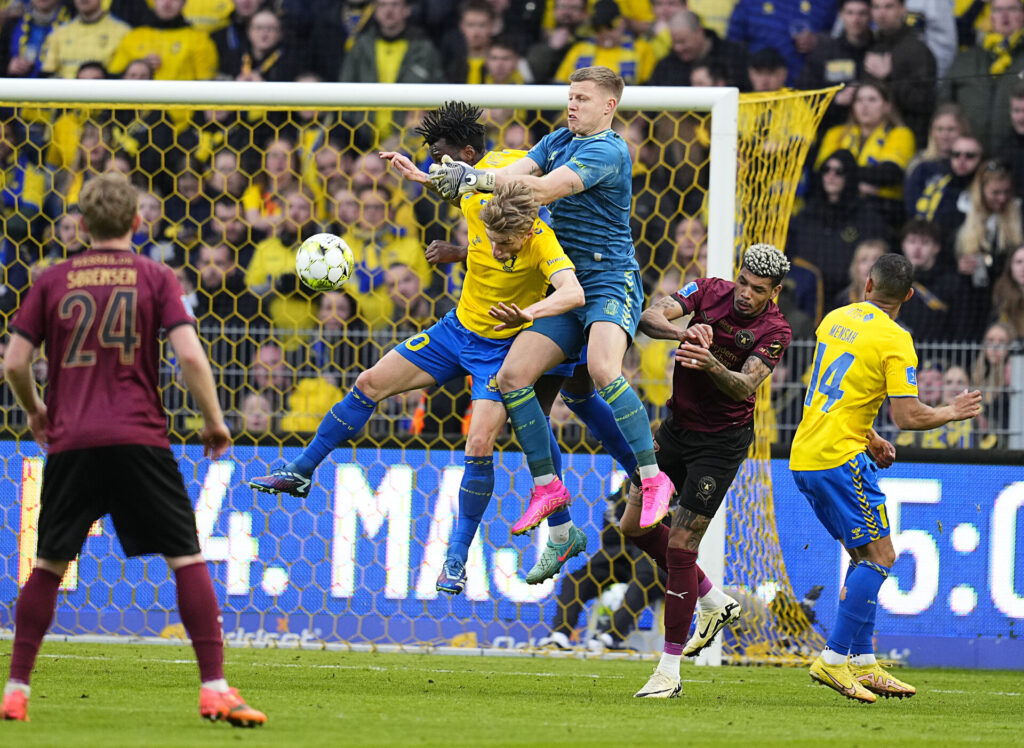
[696,403]
[99,315]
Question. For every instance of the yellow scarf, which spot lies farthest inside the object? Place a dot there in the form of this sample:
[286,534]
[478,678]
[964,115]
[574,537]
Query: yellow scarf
[1002,48]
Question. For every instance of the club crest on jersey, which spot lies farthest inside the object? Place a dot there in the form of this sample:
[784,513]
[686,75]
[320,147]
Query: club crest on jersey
[611,307]
[509,265]
[745,339]
[492,383]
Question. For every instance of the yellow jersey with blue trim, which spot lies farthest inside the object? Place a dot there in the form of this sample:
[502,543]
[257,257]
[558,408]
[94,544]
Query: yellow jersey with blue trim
[861,357]
[521,280]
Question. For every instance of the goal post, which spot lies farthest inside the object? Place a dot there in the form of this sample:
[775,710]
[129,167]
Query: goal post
[354,563]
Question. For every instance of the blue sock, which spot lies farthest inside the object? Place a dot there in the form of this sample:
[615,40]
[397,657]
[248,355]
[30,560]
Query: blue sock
[863,640]
[562,515]
[597,415]
[474,496]
[530,424]
[632,420]
[858,607]
[343,421]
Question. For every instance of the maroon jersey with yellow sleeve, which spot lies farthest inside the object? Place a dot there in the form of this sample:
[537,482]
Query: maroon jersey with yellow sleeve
[696,403]
[99,316]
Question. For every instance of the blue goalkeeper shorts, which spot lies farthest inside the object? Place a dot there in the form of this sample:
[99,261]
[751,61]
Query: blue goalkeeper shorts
[447,350]
[847,500]
[615,296]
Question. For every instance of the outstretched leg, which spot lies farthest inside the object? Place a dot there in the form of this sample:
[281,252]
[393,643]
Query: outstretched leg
[391,375]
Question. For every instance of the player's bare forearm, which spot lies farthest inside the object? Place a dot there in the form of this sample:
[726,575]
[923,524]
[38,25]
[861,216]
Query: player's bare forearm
[561,182]
[568,295]
[739,385]
[911,414]
[656,320]
[18,373]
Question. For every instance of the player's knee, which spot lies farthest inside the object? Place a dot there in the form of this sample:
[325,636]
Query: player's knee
[369,384]
[479,445]
[603,373]
[508,380]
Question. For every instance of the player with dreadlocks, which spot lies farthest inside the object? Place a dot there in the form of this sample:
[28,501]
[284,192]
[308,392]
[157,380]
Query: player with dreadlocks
[513,257]
[454,130]
[706,436]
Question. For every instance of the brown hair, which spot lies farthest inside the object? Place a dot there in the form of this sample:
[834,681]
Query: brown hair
[511,211]
[605,78]
[109,205]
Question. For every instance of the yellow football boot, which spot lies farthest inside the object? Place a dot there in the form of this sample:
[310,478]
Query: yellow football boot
[876,680]
[840,678]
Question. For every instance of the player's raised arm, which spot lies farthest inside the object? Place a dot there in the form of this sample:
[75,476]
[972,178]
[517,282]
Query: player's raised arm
[657,322]
[199,379]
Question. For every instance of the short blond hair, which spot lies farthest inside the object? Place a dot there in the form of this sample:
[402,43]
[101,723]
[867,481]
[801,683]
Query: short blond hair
[605,78]
[109,205]
[512,211]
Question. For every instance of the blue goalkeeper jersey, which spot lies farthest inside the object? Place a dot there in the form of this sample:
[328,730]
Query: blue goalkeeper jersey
[592,226]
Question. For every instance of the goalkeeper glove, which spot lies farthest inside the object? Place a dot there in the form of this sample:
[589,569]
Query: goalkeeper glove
[454,178]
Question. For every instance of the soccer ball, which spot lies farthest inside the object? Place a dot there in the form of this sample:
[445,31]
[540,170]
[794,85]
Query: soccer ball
[324,262]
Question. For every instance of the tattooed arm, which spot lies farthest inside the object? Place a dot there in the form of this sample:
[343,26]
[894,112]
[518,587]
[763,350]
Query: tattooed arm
[739,385]
[656,322]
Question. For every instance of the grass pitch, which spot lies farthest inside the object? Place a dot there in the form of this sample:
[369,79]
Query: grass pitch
[120,695]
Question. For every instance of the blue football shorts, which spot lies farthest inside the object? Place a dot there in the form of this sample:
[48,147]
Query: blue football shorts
[847,500]
[612,296]
[568,368]
[447,350]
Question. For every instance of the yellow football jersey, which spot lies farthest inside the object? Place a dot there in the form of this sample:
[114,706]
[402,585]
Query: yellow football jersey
[522,280]
[861,357]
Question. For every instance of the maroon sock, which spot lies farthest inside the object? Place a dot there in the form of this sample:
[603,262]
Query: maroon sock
[654,544]
[200,614]
[36,605]
[680,594]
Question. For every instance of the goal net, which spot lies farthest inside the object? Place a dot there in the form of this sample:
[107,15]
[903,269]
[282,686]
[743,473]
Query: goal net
[229,177]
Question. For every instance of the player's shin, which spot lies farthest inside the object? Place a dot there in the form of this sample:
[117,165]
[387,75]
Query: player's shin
[632,420]
[474,495]
[856,609]
[200,614]
[36,605]
[654,544]
[344,420]
[680,599]
[530,425]
[597,416]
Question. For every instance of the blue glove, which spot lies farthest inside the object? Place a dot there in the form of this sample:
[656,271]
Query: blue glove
[454,178]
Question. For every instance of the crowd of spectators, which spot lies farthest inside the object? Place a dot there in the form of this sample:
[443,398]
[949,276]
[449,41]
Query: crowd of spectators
[922,152]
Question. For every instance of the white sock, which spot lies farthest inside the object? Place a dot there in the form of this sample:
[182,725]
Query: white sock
[14,686]
[220,685]
[559,534]
[669,664]
[543,480]
[862,659]
[832,658]
[648,471]
[714,599]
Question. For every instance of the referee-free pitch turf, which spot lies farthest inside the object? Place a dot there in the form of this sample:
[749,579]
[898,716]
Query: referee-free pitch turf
[131,695]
